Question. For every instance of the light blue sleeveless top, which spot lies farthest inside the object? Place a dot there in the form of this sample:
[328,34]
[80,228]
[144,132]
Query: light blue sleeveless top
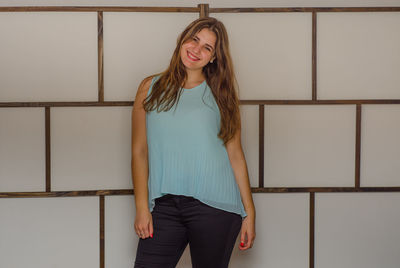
[185,155]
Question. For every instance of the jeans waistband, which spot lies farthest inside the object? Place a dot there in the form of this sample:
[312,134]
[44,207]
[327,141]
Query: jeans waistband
[175,198]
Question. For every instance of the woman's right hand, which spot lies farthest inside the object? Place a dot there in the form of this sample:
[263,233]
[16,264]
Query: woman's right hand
[144,223]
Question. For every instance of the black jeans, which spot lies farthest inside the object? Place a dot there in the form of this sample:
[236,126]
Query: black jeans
[179,220]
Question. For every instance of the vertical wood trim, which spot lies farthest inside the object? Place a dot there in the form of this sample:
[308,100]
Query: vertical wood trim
[312,229]
[204,10]
[314,56]
[48,156]
[100,55]
[101,199]
[358,147]
[261,146]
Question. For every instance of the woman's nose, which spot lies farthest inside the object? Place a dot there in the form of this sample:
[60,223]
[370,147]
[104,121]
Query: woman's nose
[196,48]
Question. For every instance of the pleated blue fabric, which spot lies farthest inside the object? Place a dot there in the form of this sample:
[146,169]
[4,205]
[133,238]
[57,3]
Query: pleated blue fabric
[185,155]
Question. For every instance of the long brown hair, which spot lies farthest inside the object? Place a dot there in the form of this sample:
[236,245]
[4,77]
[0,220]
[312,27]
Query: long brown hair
[219,76]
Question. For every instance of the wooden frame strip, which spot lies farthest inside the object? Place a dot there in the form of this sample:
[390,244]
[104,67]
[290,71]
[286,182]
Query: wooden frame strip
[194,9]
[303,9]
[323,189]
[312,230]
[48,149]
[314,56]
[203,10]
[66,104]
[102,220]
[247,102]
[358,147]
[97,9]
[261,129]
[253,189]
[100,56]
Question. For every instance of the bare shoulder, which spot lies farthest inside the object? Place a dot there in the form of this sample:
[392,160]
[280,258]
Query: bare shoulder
[145,84]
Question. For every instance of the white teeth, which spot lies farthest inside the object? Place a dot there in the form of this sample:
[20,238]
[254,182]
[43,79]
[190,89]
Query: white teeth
[190,56]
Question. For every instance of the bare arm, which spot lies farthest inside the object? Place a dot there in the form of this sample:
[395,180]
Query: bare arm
[139,163]
[239,166]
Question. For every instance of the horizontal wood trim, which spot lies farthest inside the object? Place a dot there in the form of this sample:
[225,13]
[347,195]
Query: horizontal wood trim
[247,102]
[323,189]
[98,8]
[195,9]
[66,104]
[253,189]
[308,102]
[304,9]
[67,193]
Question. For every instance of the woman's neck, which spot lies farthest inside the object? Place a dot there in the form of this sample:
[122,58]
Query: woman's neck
[194,77]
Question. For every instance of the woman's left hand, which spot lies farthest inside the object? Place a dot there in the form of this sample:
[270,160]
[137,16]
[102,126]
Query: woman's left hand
[248,233]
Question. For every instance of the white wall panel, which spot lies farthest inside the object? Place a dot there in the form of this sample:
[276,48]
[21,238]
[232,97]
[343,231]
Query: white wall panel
[271,53]
[22,149]
[309,145]
[250,144]
[91,148]
[380,145]
[282,233]
[48,56]
[136,45]
[357,230]
[120,237]
[358,55]
[49,232]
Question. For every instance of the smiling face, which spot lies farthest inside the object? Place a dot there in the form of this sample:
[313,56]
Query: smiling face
[197,51]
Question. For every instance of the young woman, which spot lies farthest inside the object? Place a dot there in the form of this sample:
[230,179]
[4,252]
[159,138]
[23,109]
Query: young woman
[189,172]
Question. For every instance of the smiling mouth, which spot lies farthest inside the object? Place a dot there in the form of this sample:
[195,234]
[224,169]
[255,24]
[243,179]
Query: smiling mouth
[192,57]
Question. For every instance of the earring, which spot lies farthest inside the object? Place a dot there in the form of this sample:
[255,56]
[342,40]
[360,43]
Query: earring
[211,61]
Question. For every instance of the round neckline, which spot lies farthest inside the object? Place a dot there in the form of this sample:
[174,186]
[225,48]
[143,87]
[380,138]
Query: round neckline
[195,86]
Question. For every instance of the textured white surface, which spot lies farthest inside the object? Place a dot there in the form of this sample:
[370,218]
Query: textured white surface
[120,237]
[360,228]
[380,153]
[358,55]
[357,230]
[250,144]
[49,232]
[48,56]
[91,148]
[282,233]
[22,149]
[309,145]
[137,45]
[271,53]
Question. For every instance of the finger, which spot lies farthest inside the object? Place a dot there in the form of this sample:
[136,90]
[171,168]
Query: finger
[242,237]
[146,231]
[151,228]
[141,232]
[247,244]
[242,245]
[137,230]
